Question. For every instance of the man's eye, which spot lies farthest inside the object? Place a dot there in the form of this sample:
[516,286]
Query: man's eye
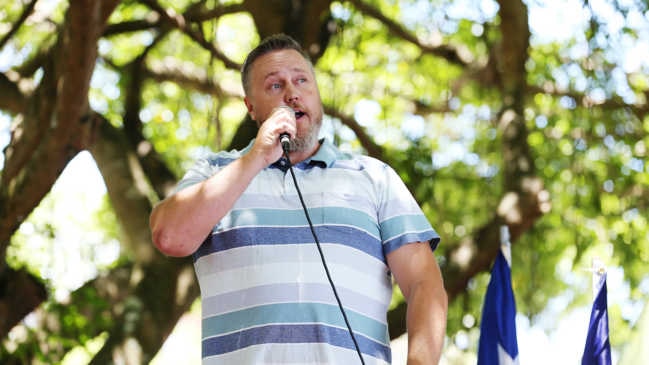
[275,86]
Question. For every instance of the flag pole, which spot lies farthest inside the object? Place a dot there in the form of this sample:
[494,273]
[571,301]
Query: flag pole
[598,270]
[505,244]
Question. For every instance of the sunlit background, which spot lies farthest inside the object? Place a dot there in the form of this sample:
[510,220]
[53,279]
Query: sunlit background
[83,244]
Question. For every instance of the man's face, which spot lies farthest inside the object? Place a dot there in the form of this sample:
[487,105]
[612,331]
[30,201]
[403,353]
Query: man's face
[281,78]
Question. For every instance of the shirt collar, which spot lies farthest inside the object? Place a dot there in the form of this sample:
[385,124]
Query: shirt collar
[324,157]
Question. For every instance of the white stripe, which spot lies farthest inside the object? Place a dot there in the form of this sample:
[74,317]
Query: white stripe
[399,208]
[335,199]
[347,184]
[293,254]
[302,272]
[281,354]
[504,358]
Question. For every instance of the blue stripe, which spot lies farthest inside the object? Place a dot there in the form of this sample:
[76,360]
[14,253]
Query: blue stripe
[429,236]
[293,313]
[223,159]
[250,236]
[293,334]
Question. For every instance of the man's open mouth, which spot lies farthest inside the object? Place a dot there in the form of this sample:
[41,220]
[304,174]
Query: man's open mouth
[299,114]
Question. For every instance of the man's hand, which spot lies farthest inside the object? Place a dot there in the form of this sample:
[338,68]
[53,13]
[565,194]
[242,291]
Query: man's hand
[267,146]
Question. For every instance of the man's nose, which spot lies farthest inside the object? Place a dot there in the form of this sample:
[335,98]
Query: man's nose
[291,95]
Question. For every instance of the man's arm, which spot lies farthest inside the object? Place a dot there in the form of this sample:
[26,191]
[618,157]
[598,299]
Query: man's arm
[180,223]
[418,275]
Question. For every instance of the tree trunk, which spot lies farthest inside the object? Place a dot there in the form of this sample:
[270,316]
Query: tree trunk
[54,129]
[160,289]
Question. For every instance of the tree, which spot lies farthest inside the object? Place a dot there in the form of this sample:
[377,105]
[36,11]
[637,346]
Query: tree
[539,126]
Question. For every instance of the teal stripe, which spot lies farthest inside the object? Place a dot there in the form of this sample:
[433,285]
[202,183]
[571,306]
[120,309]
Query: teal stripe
[293,313]
[346,216]
[322,215]
[403,224]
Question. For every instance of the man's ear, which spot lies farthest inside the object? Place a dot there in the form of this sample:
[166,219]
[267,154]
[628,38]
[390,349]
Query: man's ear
[251,110]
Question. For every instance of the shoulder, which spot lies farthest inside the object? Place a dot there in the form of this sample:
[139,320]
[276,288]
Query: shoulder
[208,164]
[354,161]
[221,158]
[375,169]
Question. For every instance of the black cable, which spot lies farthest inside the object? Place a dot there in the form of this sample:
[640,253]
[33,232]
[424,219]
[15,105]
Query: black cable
[322,258]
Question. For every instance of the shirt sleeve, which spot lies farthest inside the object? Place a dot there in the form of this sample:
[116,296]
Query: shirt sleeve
[207,166]
[401,220]
[198,172]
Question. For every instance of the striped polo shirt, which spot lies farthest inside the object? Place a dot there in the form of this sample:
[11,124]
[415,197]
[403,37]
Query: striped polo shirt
[265,295]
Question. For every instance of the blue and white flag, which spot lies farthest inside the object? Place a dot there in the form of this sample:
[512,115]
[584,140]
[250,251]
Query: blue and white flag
[598,349]
[498,344]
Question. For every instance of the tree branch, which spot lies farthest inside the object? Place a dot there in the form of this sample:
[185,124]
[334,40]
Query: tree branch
[16,25]
[181,23]
[11,98]
[197,14]
[14,308]
[364,138]
[449,53]
[190,77]
[201,13]
[614,103]
[159,175]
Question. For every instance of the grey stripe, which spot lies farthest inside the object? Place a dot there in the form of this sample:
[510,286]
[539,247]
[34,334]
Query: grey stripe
[290,254]
[289,293]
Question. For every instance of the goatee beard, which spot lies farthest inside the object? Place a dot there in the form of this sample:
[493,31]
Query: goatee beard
[307,142]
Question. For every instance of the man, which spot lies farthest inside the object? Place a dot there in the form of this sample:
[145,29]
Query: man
[265,296]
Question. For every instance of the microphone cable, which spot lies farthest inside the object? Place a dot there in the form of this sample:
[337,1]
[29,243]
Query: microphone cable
[322,258]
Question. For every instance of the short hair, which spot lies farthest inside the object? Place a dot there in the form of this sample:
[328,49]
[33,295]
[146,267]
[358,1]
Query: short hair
[276,42]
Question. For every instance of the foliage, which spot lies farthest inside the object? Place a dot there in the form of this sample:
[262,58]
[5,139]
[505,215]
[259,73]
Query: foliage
[422,80]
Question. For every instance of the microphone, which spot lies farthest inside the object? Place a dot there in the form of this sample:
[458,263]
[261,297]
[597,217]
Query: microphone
[285,140]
